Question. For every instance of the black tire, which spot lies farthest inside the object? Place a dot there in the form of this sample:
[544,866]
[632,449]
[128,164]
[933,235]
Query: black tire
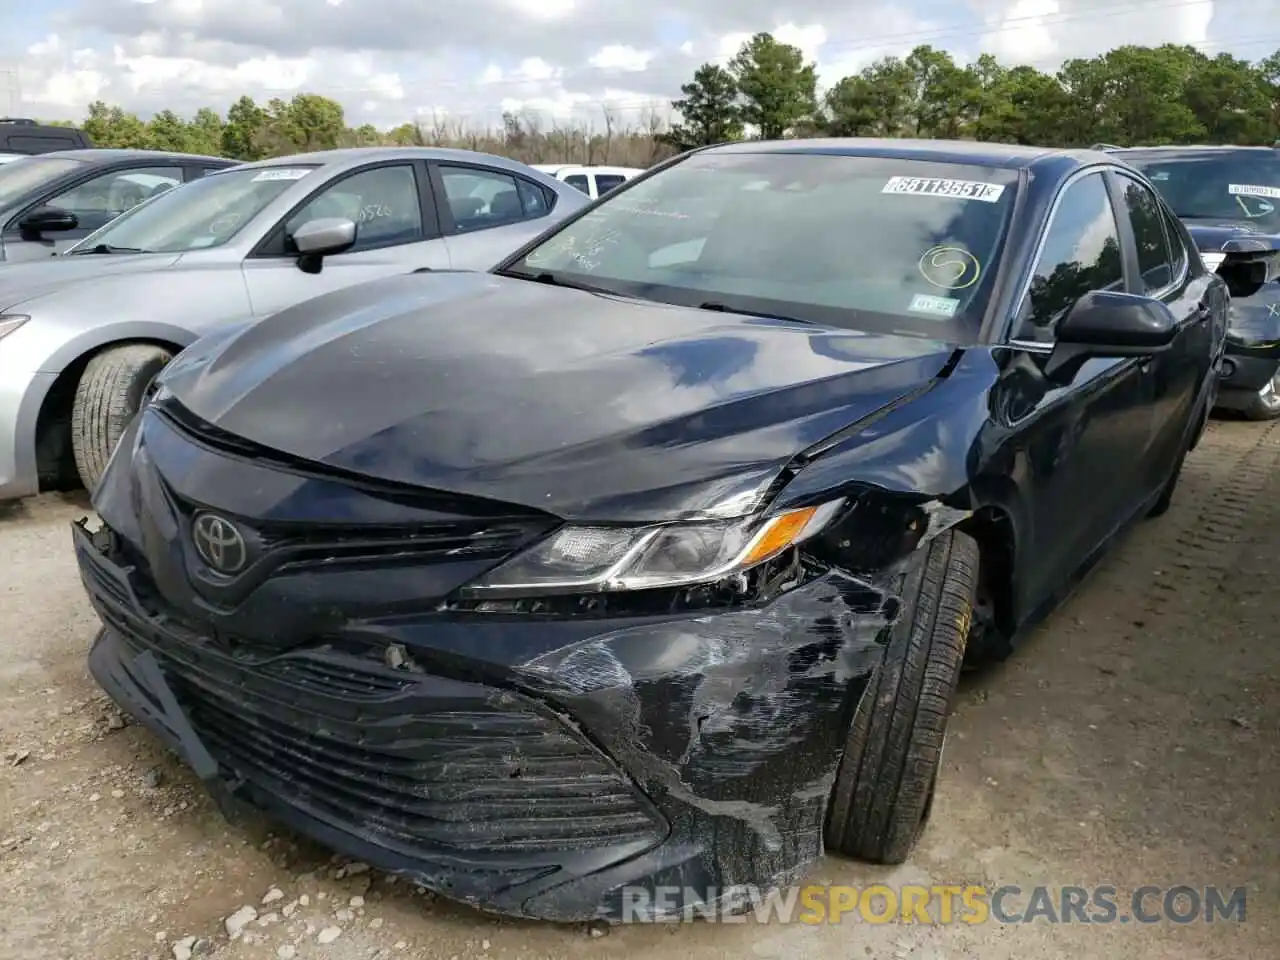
[884,786]
[1162,505]
[110,392]
[1266,403]
[1166,495]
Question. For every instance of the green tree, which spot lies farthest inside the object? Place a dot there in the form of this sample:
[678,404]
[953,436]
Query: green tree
[778,90]
[708,109]
[242,133]
[205,132]
[112,127]
[168,131]
[944,94]
[1229,99]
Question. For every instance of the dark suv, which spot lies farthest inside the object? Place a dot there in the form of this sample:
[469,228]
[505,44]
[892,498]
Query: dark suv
[24,136]
[1229,198]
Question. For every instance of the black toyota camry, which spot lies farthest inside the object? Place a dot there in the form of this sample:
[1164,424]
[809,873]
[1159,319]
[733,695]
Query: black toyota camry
[1229,198]
[648,560]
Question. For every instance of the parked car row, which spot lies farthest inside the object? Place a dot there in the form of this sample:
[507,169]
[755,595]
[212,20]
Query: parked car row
[84,334]
[641,545]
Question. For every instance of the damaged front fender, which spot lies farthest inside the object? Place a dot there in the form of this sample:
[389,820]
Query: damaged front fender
[732,723]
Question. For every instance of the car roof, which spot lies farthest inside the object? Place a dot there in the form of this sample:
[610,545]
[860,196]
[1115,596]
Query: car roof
[109,155]
[1006,155]
[1196,148]
[354,155]
[1192,146]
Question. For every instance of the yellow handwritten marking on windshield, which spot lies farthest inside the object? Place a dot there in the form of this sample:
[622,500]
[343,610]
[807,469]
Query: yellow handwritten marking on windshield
[951,268]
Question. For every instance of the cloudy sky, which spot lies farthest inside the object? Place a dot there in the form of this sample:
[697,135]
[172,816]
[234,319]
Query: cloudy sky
[388,61]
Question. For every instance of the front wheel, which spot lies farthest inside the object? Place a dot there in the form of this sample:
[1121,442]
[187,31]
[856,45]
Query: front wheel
[109,394]
[885,784]
[1266,403]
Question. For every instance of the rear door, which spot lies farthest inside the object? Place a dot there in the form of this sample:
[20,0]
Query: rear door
[397,232]
[95,201]
[1078,441]
[1161,269]
[487,213]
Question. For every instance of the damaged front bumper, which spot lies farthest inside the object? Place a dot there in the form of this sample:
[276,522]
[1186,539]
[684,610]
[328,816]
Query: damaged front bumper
[686,757]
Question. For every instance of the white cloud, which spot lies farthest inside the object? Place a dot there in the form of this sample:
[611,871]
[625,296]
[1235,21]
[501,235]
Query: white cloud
[621,57]
[389,60]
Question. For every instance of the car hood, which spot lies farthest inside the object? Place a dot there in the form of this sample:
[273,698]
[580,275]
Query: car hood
[25,281]
[1255,319]
[582,405]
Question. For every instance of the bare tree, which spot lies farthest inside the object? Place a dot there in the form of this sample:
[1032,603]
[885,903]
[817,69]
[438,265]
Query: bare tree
[610,123]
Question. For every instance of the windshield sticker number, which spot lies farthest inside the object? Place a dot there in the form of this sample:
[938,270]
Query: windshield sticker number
[1160,176]
[938,187]
[934,306]
[286,173]
[949,267]
[1252,190]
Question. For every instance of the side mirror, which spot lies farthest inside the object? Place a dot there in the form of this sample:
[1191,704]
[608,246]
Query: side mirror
[47,219]
[317,239]
[1106,324]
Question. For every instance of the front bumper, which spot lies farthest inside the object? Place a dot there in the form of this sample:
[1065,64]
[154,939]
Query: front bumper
[1244,373]
[556,770]
[20,397]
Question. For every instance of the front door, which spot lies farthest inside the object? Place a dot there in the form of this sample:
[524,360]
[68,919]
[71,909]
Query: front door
[1163,258]
[1079,441]
[94,203]
[396,233]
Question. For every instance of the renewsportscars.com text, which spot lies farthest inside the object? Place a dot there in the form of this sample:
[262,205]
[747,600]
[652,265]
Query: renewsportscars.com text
[940,904]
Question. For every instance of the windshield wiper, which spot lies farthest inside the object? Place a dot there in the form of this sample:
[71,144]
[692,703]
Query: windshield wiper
[109,248]
[715,307]
[553,280]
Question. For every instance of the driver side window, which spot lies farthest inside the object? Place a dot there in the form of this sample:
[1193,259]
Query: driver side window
[383,203]
[98,201]
[1081,253]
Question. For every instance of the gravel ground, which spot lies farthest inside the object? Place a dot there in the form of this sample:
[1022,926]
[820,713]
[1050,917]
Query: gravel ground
[1133,740]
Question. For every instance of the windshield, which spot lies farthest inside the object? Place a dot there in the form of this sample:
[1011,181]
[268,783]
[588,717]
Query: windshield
[204,213]
[878,244]
[20,176]
[1222,185]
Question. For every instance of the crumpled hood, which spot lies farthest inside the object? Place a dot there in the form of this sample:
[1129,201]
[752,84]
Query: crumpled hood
[582,405]
[23,282]
[1254,321]
[1210,233]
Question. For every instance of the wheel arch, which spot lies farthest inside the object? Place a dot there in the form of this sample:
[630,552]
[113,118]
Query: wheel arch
[44,419]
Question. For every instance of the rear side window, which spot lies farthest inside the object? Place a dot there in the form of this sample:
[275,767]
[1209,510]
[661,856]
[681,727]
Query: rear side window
[479,198]
[1081,253]
[608,181]
[1155,261]
[579,182]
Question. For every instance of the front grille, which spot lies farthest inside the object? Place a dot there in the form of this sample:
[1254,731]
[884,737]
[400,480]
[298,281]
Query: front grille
[452,528]
[415,763]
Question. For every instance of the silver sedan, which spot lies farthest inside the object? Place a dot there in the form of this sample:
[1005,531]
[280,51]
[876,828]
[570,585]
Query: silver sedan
[83,335]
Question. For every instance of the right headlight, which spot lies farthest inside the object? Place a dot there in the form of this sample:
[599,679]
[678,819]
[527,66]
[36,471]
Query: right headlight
[583,559]
[10,322]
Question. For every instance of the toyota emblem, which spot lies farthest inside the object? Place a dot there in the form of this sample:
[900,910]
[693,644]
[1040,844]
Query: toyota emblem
[219,543]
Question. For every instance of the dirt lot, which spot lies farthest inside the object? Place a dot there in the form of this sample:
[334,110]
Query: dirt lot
[1132,741]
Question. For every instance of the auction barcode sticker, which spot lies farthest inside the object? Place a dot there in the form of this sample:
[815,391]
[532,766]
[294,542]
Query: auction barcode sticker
[282,173]
[1252,190]
[938,187]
